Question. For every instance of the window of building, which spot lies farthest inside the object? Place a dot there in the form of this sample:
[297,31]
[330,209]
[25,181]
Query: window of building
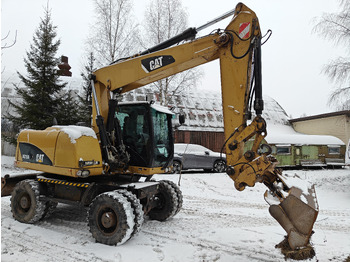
[283,149]
[334,150]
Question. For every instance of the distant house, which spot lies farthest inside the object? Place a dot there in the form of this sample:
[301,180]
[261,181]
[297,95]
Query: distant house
[335,124]
[292,148]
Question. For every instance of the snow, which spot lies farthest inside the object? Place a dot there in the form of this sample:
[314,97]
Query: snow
[285,134]
[162,109]
[75,132]
[304,186]
[217,223]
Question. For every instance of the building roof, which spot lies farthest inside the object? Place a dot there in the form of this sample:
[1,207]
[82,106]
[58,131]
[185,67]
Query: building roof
[332,114]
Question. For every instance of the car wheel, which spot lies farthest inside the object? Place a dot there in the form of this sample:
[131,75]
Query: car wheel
[219,166]
[176,167]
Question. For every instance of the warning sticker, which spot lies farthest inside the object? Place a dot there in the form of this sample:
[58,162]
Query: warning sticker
[244,30]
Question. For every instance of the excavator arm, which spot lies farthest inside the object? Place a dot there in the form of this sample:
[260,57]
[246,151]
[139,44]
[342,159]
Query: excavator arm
[238,47]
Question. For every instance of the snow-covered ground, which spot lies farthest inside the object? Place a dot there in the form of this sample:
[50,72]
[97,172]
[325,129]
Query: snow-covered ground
[217,223]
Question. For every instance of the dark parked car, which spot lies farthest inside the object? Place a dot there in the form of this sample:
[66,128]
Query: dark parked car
[192,156]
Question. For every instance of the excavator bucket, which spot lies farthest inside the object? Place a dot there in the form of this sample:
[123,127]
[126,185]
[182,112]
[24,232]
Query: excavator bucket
[296,212]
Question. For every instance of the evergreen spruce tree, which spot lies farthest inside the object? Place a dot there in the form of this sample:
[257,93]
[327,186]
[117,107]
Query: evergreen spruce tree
[69,109]
[43,100]
[86,99]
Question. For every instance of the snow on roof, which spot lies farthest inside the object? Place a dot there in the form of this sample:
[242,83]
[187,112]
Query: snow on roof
[285,134]
[162,109]
[202,110]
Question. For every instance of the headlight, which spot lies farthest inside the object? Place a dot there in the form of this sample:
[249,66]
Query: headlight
[83,173]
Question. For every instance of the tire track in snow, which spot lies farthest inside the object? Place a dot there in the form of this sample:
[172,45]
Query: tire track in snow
[67,222]
[205,245]
[41,246]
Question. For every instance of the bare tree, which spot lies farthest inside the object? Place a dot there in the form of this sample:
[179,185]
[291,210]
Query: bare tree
[6,44]
[336,27]
[163,20]
[114,33]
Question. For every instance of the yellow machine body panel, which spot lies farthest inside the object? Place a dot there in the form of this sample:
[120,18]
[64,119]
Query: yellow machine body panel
[60,150]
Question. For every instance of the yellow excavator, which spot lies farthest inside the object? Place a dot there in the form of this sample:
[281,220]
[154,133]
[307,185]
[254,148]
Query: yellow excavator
[109,165]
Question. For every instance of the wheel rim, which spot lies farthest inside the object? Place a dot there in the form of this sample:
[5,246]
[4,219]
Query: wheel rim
[107,220]
[176,167]
[24,202]
[161,200]
[219,166]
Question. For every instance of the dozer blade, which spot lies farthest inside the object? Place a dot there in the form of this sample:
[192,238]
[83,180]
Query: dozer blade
[297,214]
[9,182]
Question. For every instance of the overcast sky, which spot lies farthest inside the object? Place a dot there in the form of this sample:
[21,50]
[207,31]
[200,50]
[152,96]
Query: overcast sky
[292,59]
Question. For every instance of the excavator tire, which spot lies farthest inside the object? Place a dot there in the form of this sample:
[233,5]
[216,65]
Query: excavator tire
[137,208]
[168,202]
[26,207]
[178,193]
[50,207]
[111,218]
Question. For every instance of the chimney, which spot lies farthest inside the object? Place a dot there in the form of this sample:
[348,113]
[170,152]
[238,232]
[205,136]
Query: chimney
[64,67]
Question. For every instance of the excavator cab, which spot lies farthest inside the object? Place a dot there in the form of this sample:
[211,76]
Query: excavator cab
[146,133]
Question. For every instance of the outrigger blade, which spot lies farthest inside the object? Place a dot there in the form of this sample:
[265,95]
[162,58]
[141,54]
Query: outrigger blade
[8,182]
[296,213]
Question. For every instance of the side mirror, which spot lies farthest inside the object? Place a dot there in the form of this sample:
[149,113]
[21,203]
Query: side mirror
[206,153]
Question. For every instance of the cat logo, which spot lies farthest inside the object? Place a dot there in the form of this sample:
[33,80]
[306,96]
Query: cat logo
[152,63]
[39,158]
[156,63]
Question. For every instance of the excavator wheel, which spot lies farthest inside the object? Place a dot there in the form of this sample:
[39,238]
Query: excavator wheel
[168,202]
[137,208]
[178,194]
[50,207]
[26,207]
[111,218]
